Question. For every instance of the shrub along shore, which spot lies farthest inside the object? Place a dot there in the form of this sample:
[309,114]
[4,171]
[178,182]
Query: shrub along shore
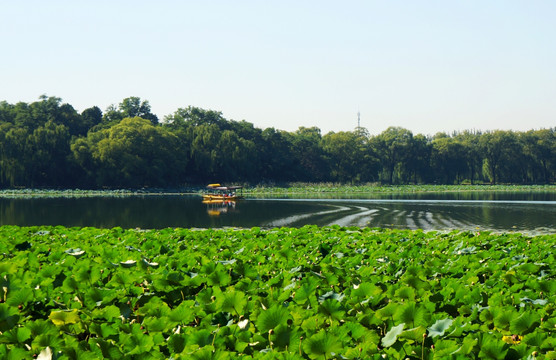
[283,293]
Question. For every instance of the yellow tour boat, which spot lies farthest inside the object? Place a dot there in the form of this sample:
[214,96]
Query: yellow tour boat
[217,193]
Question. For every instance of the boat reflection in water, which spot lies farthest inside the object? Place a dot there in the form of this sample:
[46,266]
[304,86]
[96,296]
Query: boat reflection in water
[217,207]
[221,199]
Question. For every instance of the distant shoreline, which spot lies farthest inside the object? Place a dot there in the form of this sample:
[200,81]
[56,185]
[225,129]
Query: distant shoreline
[291,189]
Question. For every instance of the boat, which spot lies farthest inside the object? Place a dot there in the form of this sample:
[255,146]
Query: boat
[217,193]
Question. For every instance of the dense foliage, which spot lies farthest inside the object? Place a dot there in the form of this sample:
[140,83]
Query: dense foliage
[47,143]
[323,189]
[309,293]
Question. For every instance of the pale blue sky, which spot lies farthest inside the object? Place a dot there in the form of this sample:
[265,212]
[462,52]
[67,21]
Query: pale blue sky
[427,66]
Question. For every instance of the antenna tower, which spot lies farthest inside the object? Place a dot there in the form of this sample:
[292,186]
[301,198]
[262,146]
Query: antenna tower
[358,119]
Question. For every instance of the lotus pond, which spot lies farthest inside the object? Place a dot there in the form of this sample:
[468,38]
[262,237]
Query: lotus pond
[284,293]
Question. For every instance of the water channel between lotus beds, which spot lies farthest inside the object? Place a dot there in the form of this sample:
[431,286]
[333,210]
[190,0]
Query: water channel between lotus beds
[499,211]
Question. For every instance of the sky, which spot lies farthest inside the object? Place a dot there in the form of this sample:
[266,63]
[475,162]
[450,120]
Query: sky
[427,66]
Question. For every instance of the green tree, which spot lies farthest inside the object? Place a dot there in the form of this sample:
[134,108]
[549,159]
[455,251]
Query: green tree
[392,147]
[499,150]
[195,116]
[277,158]
[419,158]
[349,157]
[12,155]
[49,149]
[470,142]
[133,107]
[132,153]
[540,150]
[90,118]
[448,159]
[307,149]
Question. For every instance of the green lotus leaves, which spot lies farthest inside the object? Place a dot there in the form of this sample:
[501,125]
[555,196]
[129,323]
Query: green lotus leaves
[388,311]
[365,290]
[392,335]
[184,313]
[8,317]
[306,291]
[332,309]
[19,297]
[322,345]
[406,293]
[64,317]
[492,348]
[439,327]
[525,323]
[503,317]
[108,313]
[284,337]
[219,277]
[331,295]
[8,267]
[275,294]
[415,335]
[412,313]
[271,318]
[135,342]
[16,336]
[233,302]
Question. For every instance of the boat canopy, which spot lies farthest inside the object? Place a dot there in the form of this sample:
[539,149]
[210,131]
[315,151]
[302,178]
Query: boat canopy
[223,188]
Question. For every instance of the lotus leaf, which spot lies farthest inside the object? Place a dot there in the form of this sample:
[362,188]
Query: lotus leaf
[128,263]
[16,336]
[332,309]
[233,301]
[331,295]
[65,317]
[75,252]
[322,345]
[392,335]
[524,323]
[493,348]
[271,318]
[440,327]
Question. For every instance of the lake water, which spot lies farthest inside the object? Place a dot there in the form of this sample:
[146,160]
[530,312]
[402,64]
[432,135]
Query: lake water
[502,211]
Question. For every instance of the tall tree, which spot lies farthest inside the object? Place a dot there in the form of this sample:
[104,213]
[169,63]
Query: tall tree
[90,117]
[349,157]
[277,157]
[448,159]
[133,106]
[194,116]
[392,147]
[308,151]
[540,149]
[470,142]
[497,148]
[132,153]
[50,148]
[13,167]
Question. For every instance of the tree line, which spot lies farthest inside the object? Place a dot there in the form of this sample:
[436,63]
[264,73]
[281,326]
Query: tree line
[48,143]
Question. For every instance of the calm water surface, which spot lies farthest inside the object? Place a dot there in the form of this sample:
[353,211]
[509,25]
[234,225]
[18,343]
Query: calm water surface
[430,211]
